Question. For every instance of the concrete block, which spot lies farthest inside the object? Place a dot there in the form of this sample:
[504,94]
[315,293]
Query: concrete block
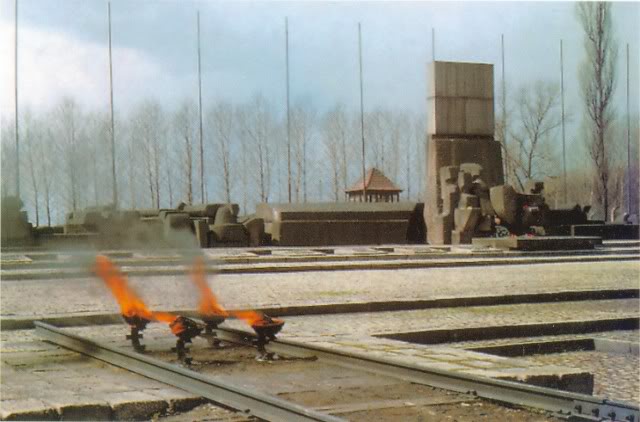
[479,117]
[235,234]
[503,199]
[455,79]
[549,377]
[465,219]
[202,210]
[474,169]
[135,405]
[84,411]
[202,233]
[460,116]
[26,410]
[178,400]
[461,237]
[255,229]
[546,243]
[464,182]
[467,201]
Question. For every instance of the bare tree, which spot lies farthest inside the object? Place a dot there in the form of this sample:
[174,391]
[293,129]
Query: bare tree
[418,151]
[49,172]
[396,128]
[597,82]
[69,120]
[375,137]
[221,120]
[503,122]
[31,141]
[131,159]
[303,126]
[256,124]
[185,127]
[98,129]
[537,119]
[334,137]
[402,138]
[617,152]
[147,127]
[7,157]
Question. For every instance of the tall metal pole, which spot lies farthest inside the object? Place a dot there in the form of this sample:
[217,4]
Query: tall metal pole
[628,142]
[200,115]
[16,105]
[504,116]
[433,44]
[564,149]
[113,139]
[286,48]
[364,171]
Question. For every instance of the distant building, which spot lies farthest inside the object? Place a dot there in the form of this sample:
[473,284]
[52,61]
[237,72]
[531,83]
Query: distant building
[378,188]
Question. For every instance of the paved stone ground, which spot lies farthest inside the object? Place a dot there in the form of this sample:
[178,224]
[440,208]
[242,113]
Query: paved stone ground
[625,335]
[354,332]
[41,381]
[345,332]
[451,318]
[77,296]
[615,375]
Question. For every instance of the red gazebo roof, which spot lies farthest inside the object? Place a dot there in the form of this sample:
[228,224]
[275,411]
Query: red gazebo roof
[375,181]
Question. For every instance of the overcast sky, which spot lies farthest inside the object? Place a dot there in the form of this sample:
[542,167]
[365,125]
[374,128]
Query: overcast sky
[63,49]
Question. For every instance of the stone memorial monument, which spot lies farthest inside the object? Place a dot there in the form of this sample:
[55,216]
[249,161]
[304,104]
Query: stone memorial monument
[464,161]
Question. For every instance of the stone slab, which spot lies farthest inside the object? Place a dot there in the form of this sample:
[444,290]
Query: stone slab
[84,411]
[134,405]
[456,79]
[26,410]
[542,243]
[607,231]
[178,400]
[460,116]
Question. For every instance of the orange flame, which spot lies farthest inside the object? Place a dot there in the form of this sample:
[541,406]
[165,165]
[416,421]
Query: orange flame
[208,302]
[130,304]
[164,317]
[250,317]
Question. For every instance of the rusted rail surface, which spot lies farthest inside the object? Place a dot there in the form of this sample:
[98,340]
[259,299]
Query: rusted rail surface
[249,402]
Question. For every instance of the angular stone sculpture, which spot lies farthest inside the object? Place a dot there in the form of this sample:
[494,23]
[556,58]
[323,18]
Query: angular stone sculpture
[461,127]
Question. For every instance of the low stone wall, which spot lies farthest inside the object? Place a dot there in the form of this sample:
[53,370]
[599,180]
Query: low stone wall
[349,223]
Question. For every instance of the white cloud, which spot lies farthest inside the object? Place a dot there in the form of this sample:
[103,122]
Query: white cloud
[52,65]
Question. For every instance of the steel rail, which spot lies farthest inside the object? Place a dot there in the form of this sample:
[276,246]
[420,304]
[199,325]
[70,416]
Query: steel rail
[250,402]
[562,403]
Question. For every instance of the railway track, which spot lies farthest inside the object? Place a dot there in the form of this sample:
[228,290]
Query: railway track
[405,378]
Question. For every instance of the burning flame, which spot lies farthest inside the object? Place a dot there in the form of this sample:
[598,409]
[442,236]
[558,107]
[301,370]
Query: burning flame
[250,317]
[208,302]
[130,304]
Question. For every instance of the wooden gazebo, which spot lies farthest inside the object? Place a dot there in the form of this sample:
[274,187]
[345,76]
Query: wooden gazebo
[377,186]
